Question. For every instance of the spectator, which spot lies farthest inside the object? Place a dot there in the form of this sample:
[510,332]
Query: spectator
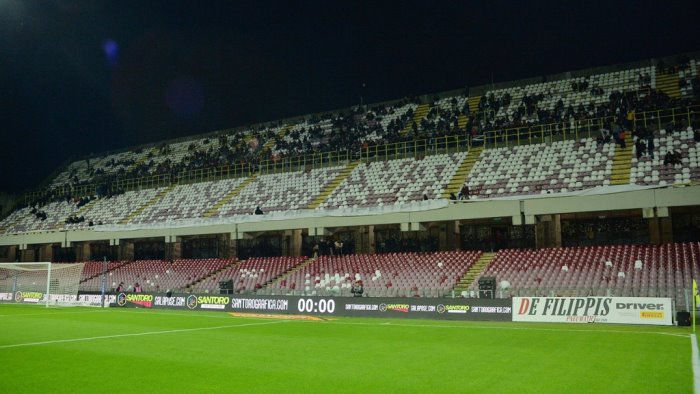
[339,247]
[622,137]
[357,289]
[464,192]
[673,158]
[641,148]
[258,210]
[650,146]
[137,288]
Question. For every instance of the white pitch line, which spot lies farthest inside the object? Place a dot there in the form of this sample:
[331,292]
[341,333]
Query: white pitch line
[696,363]
[496,328]
[54,313]
[138,334]
[171,312]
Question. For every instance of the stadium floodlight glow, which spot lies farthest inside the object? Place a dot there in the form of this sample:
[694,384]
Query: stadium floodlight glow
[40,283]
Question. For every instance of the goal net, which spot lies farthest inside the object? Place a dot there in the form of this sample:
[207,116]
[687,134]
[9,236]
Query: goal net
[40,283]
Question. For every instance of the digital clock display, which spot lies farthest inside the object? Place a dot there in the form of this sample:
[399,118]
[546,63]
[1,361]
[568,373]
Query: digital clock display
[309,305]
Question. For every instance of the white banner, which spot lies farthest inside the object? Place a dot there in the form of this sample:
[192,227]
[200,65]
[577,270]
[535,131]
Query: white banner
[626,310]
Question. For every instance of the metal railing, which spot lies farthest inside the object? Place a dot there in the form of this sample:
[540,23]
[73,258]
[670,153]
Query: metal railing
[415,148]
[304,162]
[214,173]
[584,128]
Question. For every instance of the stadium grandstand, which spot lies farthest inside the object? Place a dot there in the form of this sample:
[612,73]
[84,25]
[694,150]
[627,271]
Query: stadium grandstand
[581,183]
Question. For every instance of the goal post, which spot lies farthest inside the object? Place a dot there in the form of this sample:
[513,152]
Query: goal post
[40,283]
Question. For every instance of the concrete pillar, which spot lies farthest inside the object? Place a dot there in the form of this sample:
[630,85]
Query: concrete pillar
[82,251]
[364,240]
[548,231]
[296,243]
[232,248]
[173,250]
[45,252]
[126,250]
[11,252]
[444,235]
[456,235]
[556,230]
[357,234]
[665,230]
[176,250]
[28,255]
[449,238]
[371,245]
[654,231]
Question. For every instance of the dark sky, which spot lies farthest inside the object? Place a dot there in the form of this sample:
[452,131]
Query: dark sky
[88,76]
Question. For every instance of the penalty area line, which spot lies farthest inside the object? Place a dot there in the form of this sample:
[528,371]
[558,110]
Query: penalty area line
[137,334]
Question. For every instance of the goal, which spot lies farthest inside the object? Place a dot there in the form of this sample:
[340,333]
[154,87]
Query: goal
[40,283]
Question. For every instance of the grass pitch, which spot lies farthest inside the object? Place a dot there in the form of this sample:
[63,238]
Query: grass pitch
[74,350]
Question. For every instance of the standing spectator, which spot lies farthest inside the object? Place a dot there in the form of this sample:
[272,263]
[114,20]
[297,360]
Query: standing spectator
[630,119]
[650,146]
[137,288]
[464,192]
[620,136]
[616,132]
[641,148]
[339,247]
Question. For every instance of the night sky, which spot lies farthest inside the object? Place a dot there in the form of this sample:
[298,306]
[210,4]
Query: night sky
[89,76]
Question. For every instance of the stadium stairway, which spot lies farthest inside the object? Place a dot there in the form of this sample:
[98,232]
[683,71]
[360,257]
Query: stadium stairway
[473,104]
[330,187]
[668,83]
[109,270]
[460,176]
[474,272]
[418,115]
[622,165]
[290,271]
[150,202]
[212,273]
[271,142]
[229,196]
[462,122]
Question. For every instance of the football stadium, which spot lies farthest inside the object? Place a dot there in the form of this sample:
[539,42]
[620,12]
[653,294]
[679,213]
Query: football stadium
[538,232]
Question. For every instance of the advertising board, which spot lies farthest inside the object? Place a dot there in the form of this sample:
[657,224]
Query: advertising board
[627,310]
[37,297]
[427,308]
